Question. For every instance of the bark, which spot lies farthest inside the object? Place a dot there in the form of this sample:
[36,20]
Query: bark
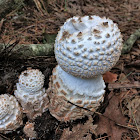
[32,50]
[130,41]
[27,51]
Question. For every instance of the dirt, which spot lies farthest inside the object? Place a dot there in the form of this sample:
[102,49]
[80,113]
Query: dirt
[32,25]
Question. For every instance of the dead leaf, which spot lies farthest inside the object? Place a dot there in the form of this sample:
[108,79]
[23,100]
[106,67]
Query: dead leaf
[110,77]
[80,131]
[123,78]
[134,110]
[112,112]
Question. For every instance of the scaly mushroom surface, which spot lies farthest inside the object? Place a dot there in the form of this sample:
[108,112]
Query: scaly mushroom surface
[67,90]
[10,114]
[31,94]
[85,48]
[88,46]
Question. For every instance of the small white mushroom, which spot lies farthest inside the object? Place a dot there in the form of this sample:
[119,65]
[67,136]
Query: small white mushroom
[10,114]
[31,80]
[31,94]
[85,48]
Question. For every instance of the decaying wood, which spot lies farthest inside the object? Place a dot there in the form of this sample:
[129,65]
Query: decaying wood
[32,50]
[127,86]
[130,41]
[27,51]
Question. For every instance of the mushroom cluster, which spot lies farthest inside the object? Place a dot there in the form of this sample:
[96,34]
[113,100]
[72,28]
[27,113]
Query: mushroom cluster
[85,48]
[31,94]
[10,114]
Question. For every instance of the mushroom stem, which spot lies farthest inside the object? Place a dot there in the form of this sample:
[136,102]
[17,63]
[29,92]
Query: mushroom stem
[82,93]
[85,87]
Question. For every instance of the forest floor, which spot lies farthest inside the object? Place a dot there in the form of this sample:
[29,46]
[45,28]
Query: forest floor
[37,22]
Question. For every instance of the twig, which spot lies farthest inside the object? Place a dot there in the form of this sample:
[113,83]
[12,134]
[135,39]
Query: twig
[4,137]
[135,122]
[1,23]
[124,77]
[127,86]
[105,117]
[102,138]
[130,41]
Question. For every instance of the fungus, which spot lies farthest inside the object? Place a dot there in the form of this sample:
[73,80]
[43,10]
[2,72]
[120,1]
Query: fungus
[101,39]
[31,94]
[10,114]
[76,84]
[29,130]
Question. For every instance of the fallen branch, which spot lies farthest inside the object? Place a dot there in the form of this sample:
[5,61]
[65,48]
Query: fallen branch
[27,51]
[32,50]
[130,41]
[127,86]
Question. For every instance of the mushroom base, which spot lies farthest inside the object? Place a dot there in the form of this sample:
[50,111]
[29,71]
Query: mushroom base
[33,104]
[64,110]
[71,97]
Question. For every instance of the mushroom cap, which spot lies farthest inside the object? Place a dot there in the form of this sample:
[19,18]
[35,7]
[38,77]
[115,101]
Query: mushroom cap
[88,46]
[10,113]
[31,80]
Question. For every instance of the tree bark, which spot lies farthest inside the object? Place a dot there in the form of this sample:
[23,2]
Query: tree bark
[130,41]
[26,51]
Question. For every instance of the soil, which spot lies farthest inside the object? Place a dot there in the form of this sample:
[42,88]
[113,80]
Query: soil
[29,25]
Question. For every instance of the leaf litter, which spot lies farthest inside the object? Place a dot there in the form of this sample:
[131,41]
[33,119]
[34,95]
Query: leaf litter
[120,119]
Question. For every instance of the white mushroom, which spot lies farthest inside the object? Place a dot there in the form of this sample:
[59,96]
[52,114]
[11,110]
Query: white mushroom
[31,80]
[10,114]
[86,93]
[88,46]
[31,94]
[85,48]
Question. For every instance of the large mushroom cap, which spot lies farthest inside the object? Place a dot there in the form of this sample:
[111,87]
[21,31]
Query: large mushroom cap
[88,46]
[10,113]
[31,80]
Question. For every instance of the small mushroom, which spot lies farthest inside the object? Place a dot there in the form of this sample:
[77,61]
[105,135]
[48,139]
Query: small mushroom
[10,114]
[31,94]
[76,86]
[29,130]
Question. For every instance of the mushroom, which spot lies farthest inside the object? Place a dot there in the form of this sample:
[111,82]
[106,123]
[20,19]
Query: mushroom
[88,46]
[85,48]
[31,94]
[29,130]
[10,114]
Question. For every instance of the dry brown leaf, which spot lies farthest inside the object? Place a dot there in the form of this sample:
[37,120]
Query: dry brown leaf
[123,78]
[80,131]
[134,110]
[110,77]
[112,112]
